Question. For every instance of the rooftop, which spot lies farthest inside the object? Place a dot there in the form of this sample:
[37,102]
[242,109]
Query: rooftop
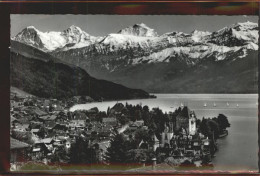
[16,144]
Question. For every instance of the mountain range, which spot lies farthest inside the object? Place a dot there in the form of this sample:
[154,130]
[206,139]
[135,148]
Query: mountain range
[223,61]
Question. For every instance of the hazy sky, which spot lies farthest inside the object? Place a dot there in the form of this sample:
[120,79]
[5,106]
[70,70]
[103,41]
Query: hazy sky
[101,25]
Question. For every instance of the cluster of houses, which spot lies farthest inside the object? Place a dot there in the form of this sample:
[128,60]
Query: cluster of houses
[39,127]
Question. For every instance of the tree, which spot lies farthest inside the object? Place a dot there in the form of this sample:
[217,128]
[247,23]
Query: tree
[223,122]
[51,108]
[42,132]
[198,122]
[82,153]
[159,118]
[108,110]
[93,135]
[123,120]
[116,152]
[209,128]
[139,155]
[60,155]
[137,115]
[204,127]
[82,99]
[146,108]
[78,151]
[141,134]
[214,129]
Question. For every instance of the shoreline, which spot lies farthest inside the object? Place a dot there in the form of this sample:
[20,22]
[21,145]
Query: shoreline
[106,101]
[177,99]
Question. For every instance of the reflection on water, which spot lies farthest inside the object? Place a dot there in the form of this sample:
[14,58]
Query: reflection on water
[238,150]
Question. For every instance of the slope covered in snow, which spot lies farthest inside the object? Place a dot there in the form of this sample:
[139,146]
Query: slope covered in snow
[130,48]
[138,37]
[141,30]
[73,37]
[236,34]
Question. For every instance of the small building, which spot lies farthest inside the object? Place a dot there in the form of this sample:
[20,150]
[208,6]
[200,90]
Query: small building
[93,111]
[67,145]
[15,105]
[48,142]
[116,109]
[47,118]
[109,121]
[22,127]
[139,123]
[18,150]
[39,151]
[35,131]
[39,112]
[78,120]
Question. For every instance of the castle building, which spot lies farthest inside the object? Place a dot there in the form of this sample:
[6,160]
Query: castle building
[186,119]
[167,134]
[156,142]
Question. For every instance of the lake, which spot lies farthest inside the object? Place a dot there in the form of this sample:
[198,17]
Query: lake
[239,150]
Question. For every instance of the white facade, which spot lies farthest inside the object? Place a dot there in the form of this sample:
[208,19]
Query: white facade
[156,143]
[167,134]
[166,137]
[192,125]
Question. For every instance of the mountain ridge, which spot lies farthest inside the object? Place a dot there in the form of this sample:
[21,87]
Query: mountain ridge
[42,75]
[117,57]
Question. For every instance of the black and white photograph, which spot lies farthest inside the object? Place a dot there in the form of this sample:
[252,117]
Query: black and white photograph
[134,93]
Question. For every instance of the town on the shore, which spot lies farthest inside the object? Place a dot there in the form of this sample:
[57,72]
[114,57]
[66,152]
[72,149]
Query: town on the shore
[45,133]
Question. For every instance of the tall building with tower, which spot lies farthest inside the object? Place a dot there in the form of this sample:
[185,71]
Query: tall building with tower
[186,120]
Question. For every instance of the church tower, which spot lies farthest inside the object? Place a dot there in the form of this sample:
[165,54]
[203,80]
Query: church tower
[192,124]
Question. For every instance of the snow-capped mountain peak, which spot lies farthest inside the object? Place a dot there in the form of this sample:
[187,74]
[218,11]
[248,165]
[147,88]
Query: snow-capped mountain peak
[141,30]
[74,34]
[236,34]
[241,26]
[28,31]
[31,27]
[142,25]
[199,36]
[31,36]
[73,37]
[175,34]
[245,26]
[143,40]
[201,33]
[73,30]
[248,24]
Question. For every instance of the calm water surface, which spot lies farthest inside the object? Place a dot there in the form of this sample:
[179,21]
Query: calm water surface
[237,151]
